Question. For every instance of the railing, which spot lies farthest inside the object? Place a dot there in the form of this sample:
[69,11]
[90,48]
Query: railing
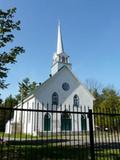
[63,132]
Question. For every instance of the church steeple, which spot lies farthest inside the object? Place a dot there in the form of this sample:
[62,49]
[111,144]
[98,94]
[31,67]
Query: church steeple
[60,48]
[60,58]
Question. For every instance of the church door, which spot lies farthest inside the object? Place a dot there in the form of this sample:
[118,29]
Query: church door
[47,122]
[83,123]
[66,124]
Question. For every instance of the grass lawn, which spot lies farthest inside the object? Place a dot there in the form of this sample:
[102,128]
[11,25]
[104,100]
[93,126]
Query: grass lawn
[28,136]
[107,154]
[42,137]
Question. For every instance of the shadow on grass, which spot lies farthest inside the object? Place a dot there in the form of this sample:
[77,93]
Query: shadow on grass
[29,152]
[36,142]
[56,149]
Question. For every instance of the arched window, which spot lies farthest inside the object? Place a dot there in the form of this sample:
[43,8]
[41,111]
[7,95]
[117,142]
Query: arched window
[66,124]
[76,100]
[47,122]
[55,98]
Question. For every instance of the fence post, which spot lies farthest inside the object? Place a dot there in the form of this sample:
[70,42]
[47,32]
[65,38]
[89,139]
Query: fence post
[91,135]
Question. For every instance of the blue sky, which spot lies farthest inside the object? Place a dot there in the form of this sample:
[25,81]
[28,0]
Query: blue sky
[91,36]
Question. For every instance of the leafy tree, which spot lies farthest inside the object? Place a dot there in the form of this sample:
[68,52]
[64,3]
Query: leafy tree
[10,102]
[32,86]
[26,88]
[111,99]
[7,26]
[107,102]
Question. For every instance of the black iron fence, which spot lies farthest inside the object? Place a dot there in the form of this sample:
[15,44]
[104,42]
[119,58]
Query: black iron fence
[62,132]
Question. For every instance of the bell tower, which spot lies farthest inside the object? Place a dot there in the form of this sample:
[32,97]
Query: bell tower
[60,58]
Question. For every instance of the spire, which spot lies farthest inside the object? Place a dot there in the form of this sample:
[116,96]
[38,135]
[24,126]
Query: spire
[60,48]
[60,58]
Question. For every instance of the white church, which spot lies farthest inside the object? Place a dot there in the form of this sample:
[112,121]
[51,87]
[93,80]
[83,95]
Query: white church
[62,92]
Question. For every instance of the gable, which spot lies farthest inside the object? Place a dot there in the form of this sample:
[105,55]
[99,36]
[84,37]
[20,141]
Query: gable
[55,84]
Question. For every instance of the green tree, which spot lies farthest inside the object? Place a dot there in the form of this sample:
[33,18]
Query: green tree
[111,99]
[107,102]
[26,87]
[7,26]
[10,102]
[32,86]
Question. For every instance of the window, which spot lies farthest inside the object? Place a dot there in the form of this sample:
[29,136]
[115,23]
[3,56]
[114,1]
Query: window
[66,60]
[47,122]
[63,59]
[65,86]
[54,98]
[76,100]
